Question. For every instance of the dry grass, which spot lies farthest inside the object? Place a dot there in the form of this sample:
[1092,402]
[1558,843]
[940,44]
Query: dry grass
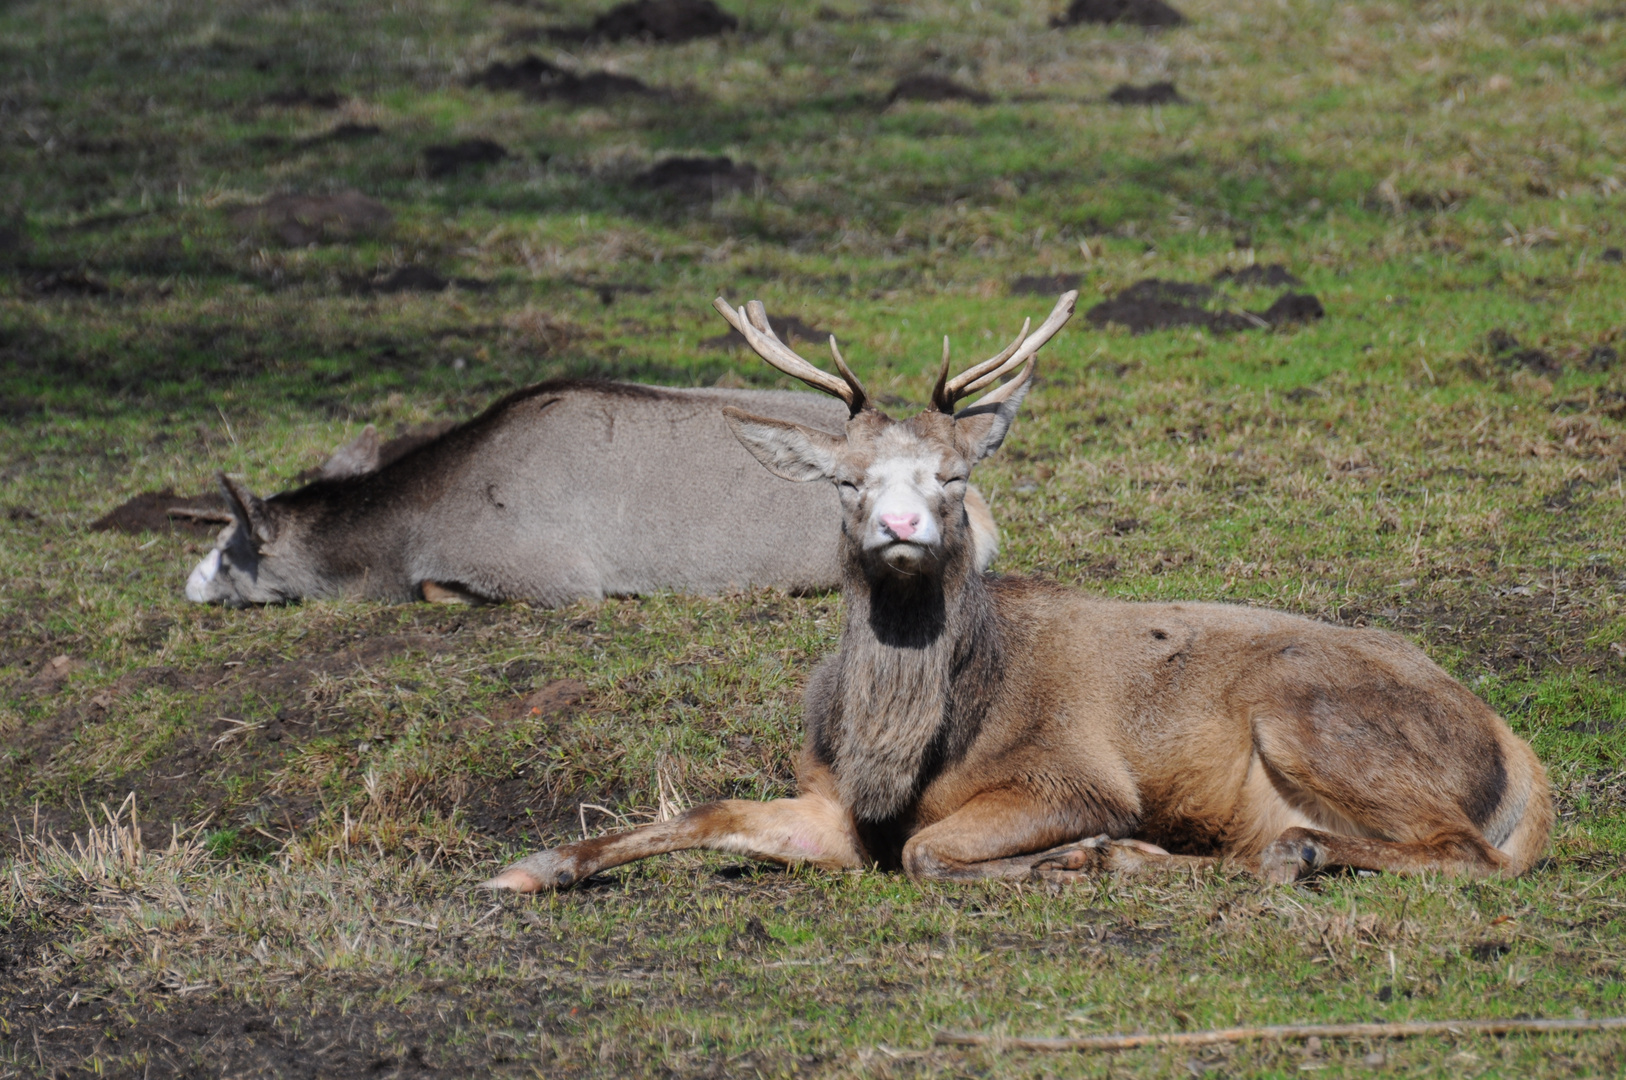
[316,789]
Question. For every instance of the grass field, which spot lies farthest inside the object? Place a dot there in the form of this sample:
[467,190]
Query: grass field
[246,842]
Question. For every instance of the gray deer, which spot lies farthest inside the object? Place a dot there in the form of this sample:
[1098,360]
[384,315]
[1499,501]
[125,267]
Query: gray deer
[567,490]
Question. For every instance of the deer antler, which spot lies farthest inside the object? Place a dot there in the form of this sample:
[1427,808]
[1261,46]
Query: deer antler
[752,323]
[1017,353]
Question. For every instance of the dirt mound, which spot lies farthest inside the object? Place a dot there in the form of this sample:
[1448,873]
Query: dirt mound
[541,81]
[792,330]
[934,88]
[303,97]
[71,283]
[1051,285]
[447,159]
[699,176]
[165,511]
[1130,12]
[1154,304]
[667,21]
[1158,93]
[1292,308]
[298,220]
[1510,355]
[1274,275]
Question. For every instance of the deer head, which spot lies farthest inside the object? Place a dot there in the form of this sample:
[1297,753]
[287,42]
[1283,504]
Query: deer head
[902,482]
[244,567]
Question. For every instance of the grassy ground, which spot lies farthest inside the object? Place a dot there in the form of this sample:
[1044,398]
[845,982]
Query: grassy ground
[288,890]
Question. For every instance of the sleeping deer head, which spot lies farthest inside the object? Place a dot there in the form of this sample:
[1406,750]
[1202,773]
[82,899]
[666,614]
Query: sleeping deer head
[251,562]
[902,482]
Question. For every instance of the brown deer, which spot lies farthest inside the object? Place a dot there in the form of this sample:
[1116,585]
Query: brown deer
[973,726]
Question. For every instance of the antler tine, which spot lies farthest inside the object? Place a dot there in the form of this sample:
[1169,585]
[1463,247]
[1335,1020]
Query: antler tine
[1030,345]
[955,387]
[860,395]
[767,345]
[942,400]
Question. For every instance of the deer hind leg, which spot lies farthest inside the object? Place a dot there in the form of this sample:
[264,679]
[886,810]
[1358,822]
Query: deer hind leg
[809,829]
[1298,852]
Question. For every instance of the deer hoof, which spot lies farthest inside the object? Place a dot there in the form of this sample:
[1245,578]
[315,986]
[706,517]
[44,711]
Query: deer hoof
[544,870]
[1292,855]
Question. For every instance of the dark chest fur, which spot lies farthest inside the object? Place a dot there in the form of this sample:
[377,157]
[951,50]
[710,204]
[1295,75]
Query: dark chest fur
[907,694]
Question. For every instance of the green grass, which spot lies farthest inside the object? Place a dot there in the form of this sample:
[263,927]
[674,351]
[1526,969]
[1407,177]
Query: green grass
[319,787]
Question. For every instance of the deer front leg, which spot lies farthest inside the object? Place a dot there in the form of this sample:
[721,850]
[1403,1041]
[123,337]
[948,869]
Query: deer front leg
[1012,835]
[811,828]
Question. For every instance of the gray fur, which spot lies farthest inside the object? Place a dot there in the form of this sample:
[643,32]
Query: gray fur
[563,491]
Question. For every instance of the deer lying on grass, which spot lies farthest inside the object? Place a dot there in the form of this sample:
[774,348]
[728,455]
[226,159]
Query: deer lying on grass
[979,727]
[564,491]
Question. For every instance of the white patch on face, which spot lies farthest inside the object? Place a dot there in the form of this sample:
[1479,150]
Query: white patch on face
[903,488]
[197,586]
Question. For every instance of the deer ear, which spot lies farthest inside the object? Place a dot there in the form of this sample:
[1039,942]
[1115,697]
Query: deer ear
[982,427]
[251,512]
[354,458]
[787,450]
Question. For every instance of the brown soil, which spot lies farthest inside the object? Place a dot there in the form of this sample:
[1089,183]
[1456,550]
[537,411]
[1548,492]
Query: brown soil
[150,512]
[934,88]
[1154,304]
[1154,13]
[541,81]
[1510,355]
[1158,93]
[1275,275]
[448,159]
[667,21]
[700,177]
[71,283]
[1293,308]
[214,767]
[298,220]
[792,330]
[1051,285]
[303,97]
[346,132]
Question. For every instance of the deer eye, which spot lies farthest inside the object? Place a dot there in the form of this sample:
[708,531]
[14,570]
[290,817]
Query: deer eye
[848,485]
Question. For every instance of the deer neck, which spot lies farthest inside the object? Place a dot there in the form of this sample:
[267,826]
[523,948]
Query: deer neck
[919,666]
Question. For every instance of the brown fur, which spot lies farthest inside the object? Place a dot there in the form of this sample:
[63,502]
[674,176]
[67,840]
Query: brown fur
[974,727]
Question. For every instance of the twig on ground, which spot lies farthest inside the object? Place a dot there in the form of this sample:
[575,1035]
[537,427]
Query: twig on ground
[1399,1030]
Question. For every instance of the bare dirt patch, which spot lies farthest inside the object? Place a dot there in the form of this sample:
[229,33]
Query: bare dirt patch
[700,177]
[303,97]
[165,511]
[1158,93]
[1273,275]
[342,133]
[541,81]
[1149,13]
[448,159]
[76,282]
[1156,304]
[934,88]
[297,220]
[1050,285]
[1511,355]
[669,22]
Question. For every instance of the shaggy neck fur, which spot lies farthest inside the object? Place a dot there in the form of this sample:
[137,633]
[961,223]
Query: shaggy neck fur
[919,667]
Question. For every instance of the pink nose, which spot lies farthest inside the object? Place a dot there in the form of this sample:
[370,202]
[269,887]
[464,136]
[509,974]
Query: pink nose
[902,526]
